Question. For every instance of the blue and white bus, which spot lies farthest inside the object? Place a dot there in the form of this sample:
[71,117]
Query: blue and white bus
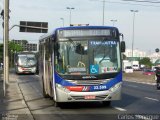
[81,64]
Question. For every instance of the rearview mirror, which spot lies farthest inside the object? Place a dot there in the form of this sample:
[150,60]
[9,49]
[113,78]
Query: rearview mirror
[123,46]
[81,49]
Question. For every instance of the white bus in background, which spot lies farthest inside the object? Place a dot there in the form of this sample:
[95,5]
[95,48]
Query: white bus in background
[127,66]
[135,65]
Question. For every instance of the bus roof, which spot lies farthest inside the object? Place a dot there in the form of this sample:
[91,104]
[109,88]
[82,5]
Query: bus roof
[76,27]
[86,27]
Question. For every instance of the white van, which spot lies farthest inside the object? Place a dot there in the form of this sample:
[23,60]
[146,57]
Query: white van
[128,69]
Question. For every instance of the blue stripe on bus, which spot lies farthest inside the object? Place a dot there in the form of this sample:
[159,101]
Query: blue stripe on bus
[85,27]
[106,86]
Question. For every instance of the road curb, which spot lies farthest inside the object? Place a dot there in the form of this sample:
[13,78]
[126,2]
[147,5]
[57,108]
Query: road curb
[24,102]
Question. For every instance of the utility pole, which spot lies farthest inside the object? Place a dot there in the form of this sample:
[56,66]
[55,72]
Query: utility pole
[103,11]
[70,14]
[5,42]
[62,21]
[113,22]
[134,12]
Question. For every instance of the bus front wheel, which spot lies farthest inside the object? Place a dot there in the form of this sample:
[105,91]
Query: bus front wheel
[107,103]
[45,95]
[56,104]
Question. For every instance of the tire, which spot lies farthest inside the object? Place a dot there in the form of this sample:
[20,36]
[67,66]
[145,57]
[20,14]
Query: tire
[107,103]
[56,104]
[37,72]
[158,86]
[45,95]
[51,91]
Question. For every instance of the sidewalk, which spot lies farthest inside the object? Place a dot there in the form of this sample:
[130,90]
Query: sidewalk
[12,106]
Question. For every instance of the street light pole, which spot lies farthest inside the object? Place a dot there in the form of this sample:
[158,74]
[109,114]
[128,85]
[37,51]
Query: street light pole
[113,22]
[103,12]
[70,9]
[62,21]
[5,42]
[133,11]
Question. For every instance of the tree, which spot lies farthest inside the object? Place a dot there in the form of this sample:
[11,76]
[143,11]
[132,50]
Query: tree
[15,47]
[146,61]
[124,57]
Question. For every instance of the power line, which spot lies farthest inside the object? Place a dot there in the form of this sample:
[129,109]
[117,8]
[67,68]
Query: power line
[103,1]
[143,1]
[123,3]
[128,2]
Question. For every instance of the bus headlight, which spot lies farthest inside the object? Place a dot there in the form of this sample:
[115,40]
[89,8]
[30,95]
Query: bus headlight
[115,87]
[20,69]
[62,88]
[34,69]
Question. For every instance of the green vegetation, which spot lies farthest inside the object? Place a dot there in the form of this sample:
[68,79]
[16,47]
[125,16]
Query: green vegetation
[124,57]
[13,48]
[146,61]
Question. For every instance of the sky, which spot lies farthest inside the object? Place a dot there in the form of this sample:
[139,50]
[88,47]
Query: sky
[147,19]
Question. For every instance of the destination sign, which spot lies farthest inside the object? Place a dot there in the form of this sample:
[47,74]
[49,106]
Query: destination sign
[80,33]
[106,43]
[28,55]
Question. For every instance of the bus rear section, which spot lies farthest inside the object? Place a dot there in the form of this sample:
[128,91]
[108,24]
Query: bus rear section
[25,62]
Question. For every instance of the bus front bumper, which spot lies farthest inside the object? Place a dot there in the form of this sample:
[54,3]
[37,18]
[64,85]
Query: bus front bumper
[26,70]
[64,95]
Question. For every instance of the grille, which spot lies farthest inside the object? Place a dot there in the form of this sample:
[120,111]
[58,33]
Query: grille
[88,82]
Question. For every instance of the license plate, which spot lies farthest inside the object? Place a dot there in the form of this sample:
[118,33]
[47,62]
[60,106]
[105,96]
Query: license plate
[89,97]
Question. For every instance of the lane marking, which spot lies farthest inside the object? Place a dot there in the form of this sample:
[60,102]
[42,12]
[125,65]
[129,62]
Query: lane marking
[37,75]
[120,109]
[132,86]
[152,99]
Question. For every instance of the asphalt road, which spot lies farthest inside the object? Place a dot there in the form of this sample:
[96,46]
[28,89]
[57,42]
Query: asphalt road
[138,100]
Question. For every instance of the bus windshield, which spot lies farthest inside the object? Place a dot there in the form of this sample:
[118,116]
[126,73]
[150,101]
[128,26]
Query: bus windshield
[87,56]
[26,60]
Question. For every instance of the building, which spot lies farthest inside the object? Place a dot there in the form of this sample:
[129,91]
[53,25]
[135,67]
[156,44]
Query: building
[154,56]
[25,45]
[136,53]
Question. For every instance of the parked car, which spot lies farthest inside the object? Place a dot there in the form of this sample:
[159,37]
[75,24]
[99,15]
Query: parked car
[128,69]
[148,72]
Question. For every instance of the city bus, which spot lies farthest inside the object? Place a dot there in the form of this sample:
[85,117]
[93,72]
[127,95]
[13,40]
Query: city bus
[26,62]
[81,64]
